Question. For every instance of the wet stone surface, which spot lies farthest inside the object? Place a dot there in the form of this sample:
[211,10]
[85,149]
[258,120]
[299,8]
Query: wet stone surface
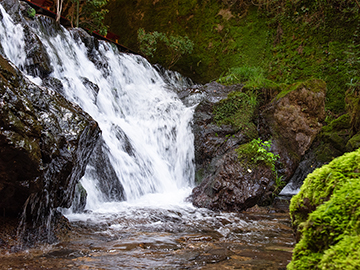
[186,238]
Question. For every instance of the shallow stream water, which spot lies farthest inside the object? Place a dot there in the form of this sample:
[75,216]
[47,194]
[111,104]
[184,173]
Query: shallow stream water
[146,235]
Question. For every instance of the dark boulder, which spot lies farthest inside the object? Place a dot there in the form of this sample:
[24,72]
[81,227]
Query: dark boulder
[45,145]
[291,121]
[212,140]
[233,186]
[226,182]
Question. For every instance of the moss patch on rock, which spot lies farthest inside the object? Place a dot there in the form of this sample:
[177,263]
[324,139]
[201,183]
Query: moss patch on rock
[314,85]
[320,185]
[237,110]
[330,234]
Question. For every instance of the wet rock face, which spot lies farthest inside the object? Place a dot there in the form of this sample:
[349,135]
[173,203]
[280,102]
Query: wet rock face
[212,140]
[232,186]
[45,145]
[294,119]
[100,168]
[226,183]
[37,62]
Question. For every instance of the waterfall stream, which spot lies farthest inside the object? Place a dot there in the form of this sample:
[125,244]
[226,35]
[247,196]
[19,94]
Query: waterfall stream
[144,125]
[148,143]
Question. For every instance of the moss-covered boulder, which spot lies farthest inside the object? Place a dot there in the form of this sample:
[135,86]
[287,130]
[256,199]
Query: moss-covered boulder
[326,214]
[320,185]
[294,118]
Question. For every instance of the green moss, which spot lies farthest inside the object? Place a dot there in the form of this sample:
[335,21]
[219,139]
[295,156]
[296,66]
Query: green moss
[237,110]
[329,230]
[343,122]
[326,152]
[320,184]
[334,139]
[353,143]
[315,85]
[344,255]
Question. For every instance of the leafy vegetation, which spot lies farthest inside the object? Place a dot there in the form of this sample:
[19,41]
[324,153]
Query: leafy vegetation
[253,78]
[31,13]
[176,46]
[258,152]
[88,14]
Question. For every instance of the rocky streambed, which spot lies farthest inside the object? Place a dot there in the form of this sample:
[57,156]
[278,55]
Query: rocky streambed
[177,237]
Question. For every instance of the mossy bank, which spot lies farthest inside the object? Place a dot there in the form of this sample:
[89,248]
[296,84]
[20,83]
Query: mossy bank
[289,40]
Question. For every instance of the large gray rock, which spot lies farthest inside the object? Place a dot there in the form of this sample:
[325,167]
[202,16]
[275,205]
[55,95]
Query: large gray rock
[211,140]
[291,120]
[225,182]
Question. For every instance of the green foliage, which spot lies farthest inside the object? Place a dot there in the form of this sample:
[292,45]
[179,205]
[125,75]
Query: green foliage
[279,183]
[258,152]
[92,15]
[237,110]
[176,45]
[89,14]
[242,74]
[31,13]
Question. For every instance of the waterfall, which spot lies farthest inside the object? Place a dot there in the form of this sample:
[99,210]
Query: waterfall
[146,130]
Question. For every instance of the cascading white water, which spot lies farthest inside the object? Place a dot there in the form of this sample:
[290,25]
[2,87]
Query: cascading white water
[132,98]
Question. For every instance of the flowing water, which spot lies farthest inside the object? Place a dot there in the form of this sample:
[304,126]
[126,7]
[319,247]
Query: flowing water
[148,140]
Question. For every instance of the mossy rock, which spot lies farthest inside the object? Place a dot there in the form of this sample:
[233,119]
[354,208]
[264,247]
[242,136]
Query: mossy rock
[333,139]
[353,143]
[320,185]
[314,85]
[237,110]
[353,108]
[331,234]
